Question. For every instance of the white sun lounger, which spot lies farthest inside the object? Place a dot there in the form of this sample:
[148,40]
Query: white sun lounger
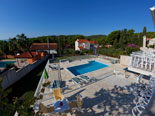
[77,81]
[87,79]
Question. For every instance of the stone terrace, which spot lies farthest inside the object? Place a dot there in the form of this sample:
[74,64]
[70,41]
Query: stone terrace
[110,95]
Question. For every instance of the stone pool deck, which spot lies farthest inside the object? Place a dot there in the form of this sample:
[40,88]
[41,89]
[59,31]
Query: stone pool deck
[108,95]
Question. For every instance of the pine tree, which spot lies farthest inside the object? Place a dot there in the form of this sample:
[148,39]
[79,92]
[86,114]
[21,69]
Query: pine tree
[144,30]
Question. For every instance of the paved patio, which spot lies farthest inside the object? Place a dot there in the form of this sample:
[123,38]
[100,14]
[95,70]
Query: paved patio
[110,94]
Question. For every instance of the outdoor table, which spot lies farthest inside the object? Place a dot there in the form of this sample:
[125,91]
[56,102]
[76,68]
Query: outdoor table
[61,106]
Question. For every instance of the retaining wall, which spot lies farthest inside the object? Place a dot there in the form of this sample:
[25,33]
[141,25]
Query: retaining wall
[41,81]
[11,76]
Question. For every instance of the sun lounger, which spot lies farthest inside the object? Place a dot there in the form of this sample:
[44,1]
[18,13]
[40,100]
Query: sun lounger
[53,68]
[85,78]
[46,109]
[113,61]
[77,81]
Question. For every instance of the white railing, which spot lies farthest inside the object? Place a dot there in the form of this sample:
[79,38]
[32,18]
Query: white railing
[144,97]
[40,82]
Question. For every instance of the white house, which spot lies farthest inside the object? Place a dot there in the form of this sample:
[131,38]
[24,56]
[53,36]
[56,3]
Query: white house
[147,42]
[81,44]
[151,41]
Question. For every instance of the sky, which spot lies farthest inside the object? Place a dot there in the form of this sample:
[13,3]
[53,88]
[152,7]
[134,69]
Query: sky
[67,17]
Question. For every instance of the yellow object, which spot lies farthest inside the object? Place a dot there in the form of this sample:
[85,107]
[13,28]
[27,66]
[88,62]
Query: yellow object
[58,94]
[79,101]
[67,114]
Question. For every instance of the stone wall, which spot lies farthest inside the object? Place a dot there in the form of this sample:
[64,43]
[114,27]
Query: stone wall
[125,60]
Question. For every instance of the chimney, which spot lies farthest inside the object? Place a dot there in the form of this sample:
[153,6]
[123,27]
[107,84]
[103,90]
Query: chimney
[144,41]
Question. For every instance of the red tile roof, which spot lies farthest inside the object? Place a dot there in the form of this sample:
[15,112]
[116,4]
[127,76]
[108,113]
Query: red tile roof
[43,46]
[148,38]
[81,47]
[82,40]
[93,42]
[27,55]
[85,40]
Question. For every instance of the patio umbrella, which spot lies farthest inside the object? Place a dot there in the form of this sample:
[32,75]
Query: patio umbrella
[59,72]
[95,51]
[153,14]
[45,74]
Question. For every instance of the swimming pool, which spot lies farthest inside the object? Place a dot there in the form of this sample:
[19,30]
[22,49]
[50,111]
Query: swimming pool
[85,68]
[3,64]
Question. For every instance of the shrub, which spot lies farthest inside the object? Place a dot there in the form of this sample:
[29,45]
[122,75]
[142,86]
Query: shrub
[77,52]
[42,90]
[151,46]
[69,51]
[111,52]
[131,49]
[40,96]
[46,84]
[132,45]
[84,52]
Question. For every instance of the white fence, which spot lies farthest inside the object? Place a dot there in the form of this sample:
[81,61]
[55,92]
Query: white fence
[11,76]
[40,82]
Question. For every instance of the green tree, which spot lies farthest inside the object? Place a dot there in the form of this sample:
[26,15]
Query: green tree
[4,47]
[6,108]
[12,45]
[144,30]
[60,44]
[123,39]
[131,32]
[115,35]
[23,42]
[115,44]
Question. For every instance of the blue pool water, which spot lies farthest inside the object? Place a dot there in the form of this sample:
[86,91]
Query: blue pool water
[85,68]
[3,64]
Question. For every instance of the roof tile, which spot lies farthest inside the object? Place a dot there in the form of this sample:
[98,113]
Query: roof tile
[43,46]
